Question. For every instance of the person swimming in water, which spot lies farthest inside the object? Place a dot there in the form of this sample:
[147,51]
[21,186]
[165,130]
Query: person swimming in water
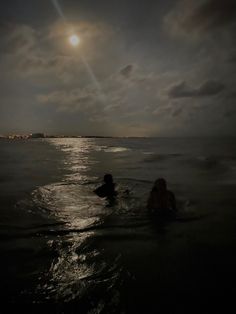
[161,202]
[107,189]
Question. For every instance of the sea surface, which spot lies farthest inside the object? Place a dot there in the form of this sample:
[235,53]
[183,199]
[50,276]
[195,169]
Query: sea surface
[61,245]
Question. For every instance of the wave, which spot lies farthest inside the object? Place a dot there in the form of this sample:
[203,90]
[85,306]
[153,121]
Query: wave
[116,149]
[220,163]
[152,157]
[112,149]
[208,163]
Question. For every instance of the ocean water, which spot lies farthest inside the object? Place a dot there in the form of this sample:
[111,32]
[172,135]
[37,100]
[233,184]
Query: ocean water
[63,246]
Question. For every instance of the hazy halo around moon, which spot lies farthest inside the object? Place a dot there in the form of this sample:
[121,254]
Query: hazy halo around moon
[74,40]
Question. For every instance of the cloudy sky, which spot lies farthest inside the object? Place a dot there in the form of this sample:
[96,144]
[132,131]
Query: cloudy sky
[142,68]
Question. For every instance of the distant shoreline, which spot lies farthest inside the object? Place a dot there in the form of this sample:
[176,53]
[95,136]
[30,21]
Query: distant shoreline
[27,137]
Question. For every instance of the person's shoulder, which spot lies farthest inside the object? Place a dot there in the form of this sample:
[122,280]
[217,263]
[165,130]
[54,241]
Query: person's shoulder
[153,191]
[171,193]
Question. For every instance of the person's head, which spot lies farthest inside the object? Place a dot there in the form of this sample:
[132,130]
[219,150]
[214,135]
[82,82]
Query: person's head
[108,178]
[160,184]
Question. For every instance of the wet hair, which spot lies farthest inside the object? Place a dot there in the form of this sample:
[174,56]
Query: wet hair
[108,178]
[160,184]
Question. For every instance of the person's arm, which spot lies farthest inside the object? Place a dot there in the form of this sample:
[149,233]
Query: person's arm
[100,191]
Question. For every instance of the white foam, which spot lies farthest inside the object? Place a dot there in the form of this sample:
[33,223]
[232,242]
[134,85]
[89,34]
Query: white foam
[116,149]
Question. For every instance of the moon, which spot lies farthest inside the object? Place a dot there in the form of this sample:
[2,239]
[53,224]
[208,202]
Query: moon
[74,40]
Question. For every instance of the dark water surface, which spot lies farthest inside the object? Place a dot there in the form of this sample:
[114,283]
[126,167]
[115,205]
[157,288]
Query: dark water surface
[62,246]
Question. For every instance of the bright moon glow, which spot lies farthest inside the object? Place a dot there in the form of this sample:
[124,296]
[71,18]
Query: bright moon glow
[74,40]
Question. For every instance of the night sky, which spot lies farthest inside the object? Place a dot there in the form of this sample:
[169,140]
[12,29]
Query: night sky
[142,68]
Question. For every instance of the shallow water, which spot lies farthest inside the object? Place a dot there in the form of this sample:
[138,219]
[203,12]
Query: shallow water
[61,244]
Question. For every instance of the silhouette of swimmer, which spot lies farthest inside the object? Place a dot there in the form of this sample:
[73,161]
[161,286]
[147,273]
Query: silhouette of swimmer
[161,202]
[107,189]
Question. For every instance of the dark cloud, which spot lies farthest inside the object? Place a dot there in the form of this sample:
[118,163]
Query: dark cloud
[16,38]
[232,57]
[77,100]
[127,67]
[127,70]
[211,14]
[202,17]
[230,113]
[177,112]
[231,95]
[208,88]
[41,65]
